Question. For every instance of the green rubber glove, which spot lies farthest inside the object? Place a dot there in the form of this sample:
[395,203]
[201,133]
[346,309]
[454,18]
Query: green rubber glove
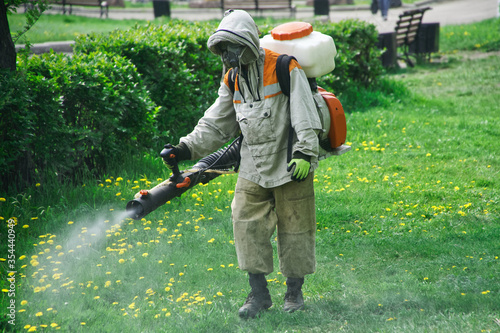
[301,169]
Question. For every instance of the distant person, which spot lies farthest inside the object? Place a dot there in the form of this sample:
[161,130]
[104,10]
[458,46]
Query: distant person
[383,5]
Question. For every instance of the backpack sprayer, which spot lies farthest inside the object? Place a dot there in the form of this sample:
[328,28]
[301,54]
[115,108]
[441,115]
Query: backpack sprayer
[223,161]
[315,52]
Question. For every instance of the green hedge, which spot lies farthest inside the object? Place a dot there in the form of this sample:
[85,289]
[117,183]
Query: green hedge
[71,115]
[358,58]
[131,91]
[181,74]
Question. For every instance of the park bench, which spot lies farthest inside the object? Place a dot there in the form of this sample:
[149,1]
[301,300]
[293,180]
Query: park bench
[411,36]
[102,4]
[258,5]
[407,31]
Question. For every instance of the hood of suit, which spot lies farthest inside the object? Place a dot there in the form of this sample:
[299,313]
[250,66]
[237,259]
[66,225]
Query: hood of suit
[239,28]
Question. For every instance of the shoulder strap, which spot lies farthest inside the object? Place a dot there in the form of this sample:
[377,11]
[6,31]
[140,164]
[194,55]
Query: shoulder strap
[283,72]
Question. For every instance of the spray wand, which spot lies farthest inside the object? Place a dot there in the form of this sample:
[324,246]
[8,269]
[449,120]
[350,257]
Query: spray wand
[223,161]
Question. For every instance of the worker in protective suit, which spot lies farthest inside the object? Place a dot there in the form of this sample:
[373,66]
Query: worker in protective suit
[271,193]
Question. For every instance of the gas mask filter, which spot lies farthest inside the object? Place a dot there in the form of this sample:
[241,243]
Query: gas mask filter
[230,54]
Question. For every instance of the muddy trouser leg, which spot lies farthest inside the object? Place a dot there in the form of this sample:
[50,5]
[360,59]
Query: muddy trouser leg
[254,222]
[256,213]
[295,208]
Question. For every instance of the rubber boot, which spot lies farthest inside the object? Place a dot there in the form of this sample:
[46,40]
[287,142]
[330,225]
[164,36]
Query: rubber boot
[259,298]
[294,299]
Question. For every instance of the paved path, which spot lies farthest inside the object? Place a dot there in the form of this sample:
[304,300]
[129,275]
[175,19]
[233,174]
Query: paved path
[446,12]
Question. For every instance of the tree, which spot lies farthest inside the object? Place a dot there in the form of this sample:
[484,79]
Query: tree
[7,41]
[7,48]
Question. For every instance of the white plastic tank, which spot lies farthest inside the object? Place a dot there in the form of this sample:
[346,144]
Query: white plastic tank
[314,51]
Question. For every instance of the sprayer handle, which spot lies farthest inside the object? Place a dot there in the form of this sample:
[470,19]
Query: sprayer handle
[168,154]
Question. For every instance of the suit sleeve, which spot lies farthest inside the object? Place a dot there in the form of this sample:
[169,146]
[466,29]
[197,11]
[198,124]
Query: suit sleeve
[304,116]
[217,126]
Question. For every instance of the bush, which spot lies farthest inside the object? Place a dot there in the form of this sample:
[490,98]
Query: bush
[358,59]
[79,114]
[181,74]
[16,124]
[133,90]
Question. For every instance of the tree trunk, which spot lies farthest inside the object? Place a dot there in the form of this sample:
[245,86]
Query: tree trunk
[7,47]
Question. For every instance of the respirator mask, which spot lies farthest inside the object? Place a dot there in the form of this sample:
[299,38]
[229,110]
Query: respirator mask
[230,54]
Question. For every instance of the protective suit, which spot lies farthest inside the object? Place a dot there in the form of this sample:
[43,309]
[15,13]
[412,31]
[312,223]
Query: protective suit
[265,197]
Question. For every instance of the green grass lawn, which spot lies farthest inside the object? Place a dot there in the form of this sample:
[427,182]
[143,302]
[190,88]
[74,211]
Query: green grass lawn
[408,230]
[58,27]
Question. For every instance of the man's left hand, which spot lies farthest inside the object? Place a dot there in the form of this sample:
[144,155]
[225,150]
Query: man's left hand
[301,169]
